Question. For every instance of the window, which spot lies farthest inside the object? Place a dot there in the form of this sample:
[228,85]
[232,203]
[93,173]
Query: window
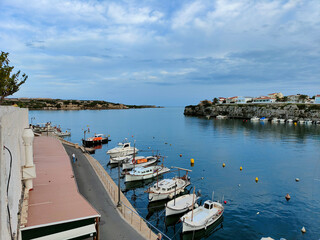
[206,205]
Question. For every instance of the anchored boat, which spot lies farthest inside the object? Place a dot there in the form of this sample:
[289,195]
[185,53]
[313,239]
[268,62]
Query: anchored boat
[255,119]
[142,173]
[123,149]
[139,161]
[96,140]
[202,217]
[181,204]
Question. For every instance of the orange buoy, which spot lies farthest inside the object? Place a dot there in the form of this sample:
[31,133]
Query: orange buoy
[287,197]
[180,155]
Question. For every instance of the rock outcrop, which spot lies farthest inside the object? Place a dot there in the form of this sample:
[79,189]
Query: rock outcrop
[246,111]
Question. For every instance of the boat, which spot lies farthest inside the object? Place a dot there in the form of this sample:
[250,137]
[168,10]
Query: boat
[317,122]
[264,119]
[221,117]
[139,161]
[142,173]
[301,121]
[123,149]
[255,119]
[309,122]
[281,120]
[181,204]
[98,139]
[117,160]
[275,120]
[62,134]
[290,121]
[167,188]
[202,217]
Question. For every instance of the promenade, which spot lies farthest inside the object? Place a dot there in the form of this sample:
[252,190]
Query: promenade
[112,225]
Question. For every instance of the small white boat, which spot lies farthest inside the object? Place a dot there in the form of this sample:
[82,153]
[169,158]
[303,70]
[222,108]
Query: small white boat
[139,161]
[301,121]
[142,173]
[317,122]
[181,204]
[264,119]
[290,121]
[275,120]
[120,159]
[309,122]
[221,117]
[202,217]
[255,119]
[62,134]
[123,149]
[281,120]
[167,188]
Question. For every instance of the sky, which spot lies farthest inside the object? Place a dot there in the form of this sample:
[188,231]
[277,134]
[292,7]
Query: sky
[164,52]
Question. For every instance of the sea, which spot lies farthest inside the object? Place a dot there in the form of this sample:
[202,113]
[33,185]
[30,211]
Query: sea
[276,154]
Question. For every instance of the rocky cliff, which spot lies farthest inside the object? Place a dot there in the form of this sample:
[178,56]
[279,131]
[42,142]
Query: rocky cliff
[246,111]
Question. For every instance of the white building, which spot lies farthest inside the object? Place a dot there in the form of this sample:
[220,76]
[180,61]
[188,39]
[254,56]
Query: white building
[241,99]
[232,99]
[317,99]
[263,99]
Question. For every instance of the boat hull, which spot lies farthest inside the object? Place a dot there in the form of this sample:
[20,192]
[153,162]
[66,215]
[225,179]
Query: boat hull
[187,227]
[122,153]
[127,166]
[131,178]
[91,143]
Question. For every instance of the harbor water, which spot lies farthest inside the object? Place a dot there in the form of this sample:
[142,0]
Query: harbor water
[276,154]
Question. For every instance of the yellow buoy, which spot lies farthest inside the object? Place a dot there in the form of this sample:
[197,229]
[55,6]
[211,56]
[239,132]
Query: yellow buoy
[192,161]
[223,165]
[240,168]
[295,123]
[257,179]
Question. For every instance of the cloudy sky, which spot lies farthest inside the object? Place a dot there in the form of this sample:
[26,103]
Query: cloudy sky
[163,52]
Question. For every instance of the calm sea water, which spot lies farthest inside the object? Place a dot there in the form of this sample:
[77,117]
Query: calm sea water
[275,153]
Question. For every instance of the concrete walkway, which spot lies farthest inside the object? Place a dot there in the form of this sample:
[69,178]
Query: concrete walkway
[112,225]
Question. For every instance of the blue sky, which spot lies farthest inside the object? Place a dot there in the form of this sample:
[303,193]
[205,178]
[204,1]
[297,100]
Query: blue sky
[162,52]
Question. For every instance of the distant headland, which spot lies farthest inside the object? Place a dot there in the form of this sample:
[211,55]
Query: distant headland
[60,104]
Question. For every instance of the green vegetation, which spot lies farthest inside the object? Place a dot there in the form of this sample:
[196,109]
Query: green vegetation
[9,83]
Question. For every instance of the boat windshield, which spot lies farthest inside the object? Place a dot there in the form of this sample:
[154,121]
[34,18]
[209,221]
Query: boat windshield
[207,206]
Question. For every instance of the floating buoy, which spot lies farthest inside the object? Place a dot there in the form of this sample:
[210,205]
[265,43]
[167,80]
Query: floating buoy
[239,185]
[295,123]
[258,213]
[132,135]
[170,144]
[165,143]
[303,230]
[225,202]
[180,155]
[223,164]
[297,179]
[192,161]
[240,168]
[257,179]
[191,164]
[287,197]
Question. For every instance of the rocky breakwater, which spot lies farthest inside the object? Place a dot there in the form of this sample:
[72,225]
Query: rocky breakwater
[246,111]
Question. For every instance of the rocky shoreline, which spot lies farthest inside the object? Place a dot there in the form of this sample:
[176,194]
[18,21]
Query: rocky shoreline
[246,111]
[59,104]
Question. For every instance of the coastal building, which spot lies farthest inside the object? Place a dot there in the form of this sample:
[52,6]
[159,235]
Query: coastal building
[222,100]
[317,99]
[293,98]
[275,95]
[232,99]
[242,99]
[263,99]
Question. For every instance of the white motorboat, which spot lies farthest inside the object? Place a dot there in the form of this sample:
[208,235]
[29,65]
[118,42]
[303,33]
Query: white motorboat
[275,120]
[301,121]
[62,134]
[142,173]
[290,121]
[167,188]
[221,117]
[264,119]
[123,149]
[139,161]
[120,159]
[181,204]
[202,217]
[281,120]
[255,119]
[309,122]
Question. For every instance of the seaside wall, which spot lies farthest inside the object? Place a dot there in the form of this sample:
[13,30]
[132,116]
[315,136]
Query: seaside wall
[273,110]
[13,121]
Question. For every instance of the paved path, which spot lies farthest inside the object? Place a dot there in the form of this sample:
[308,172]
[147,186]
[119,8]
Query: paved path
[112,226]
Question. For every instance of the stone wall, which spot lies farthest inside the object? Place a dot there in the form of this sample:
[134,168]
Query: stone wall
[246,111]
[13,121]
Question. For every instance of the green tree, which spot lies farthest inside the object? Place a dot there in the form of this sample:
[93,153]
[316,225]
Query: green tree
[9,83]
[215,100]
[303,98]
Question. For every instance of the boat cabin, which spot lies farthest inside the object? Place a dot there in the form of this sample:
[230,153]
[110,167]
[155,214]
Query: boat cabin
[165,185]
[208,204]
[141,171]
